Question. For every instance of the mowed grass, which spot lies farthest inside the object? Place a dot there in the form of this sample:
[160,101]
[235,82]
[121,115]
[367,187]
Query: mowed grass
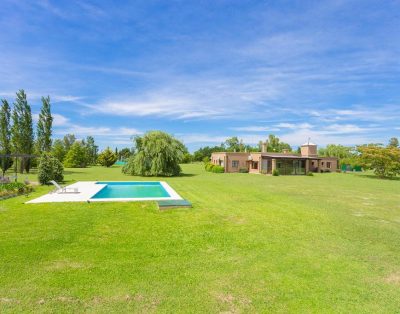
[251,243]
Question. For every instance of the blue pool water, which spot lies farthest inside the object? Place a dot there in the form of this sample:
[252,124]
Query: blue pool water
[120,163]
[131,190]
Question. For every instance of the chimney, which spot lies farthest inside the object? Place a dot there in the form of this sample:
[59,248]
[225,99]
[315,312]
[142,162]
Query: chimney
[309,149]
[285,151]
[264,147]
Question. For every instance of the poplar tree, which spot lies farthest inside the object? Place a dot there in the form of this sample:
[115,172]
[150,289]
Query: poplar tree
[92,150]
[44,126]
[5,136]
[22,130]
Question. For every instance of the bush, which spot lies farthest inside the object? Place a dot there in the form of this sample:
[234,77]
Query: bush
[310,174]
[107,158]
[50,168]
[217,169]
[15,188]
[206,160]
[209,166]
[275,172]
[244,170]
[214,168]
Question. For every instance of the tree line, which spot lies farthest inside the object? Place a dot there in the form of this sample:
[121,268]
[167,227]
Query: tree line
[234,144]
[17,135]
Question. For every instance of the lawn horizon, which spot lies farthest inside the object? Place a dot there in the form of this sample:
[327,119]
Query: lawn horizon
[251,243]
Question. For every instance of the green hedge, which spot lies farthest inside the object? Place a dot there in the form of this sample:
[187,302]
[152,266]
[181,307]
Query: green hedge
[218,169]
[214,168]
[13,189]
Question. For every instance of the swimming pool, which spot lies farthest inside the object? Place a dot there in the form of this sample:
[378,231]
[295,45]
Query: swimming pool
[134,190]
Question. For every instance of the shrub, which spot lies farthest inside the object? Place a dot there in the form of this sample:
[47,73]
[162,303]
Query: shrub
[15,188]
[275,172]
[206,159]
[243,170]
[107,158]
[209,166]
[310,174]
[50,168]
[217,169]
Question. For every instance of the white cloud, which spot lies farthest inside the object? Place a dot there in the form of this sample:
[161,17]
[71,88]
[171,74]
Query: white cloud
[79,130]
[324,138]
[255,129]
[58,119]
[294,125]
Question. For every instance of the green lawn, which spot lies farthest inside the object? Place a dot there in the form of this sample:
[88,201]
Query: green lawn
[251,243]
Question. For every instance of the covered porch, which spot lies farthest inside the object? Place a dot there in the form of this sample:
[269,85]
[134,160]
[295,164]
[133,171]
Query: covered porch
[287,165]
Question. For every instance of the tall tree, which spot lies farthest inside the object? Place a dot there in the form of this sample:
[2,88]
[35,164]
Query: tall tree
[338,151]
[76,156]
[22,130]
[68,140]
[157,154]
[394,142]
[385,161]
[58,150]
[275,145]
[5,136]
[44,126]
[233,144]
[124,153]
[92,150]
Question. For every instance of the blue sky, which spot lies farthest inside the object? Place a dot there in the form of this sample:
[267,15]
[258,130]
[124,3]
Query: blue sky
[207,70]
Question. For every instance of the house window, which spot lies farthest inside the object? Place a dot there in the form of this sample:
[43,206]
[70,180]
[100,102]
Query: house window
[322,163]
[254,165]
[328,164]
[235,163]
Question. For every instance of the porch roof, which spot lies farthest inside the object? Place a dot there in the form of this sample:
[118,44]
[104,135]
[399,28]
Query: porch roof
[286,156]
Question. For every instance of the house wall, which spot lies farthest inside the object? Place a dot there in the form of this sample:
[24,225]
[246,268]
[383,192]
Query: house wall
[255,157]
[241,158]
[228,158]
[217,157]
[323,164]
[225,160]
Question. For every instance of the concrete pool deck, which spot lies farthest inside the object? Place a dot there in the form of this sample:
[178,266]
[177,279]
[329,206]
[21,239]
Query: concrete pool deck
[87,189]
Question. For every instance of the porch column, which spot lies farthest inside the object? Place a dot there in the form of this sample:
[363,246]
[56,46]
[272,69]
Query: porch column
[307,165]
[225,163]
[273,165]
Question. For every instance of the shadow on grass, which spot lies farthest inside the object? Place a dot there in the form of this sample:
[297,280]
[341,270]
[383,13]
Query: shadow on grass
[372,176]
[188,175]
[68,172]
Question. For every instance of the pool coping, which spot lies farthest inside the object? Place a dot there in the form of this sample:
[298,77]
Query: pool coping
[88,189]
[172,194]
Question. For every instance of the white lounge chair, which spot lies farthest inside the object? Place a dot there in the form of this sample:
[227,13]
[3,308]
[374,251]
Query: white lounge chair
[60,189]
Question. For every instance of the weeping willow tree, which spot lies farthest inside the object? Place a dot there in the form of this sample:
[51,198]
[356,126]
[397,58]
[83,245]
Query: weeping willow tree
[156,154]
